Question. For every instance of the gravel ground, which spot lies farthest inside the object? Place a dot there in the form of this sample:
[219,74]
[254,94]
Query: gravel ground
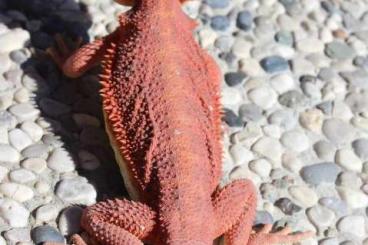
[295,93]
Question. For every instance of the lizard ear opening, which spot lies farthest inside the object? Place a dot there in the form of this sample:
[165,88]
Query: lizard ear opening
[125,2]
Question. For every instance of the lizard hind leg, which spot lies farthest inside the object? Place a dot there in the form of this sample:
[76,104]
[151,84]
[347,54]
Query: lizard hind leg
[119,221]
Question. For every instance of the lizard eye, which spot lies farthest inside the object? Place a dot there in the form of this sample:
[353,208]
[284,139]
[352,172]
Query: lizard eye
[125,2]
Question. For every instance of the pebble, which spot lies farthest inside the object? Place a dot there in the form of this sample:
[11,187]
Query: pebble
[13,40]
[85,120]
[348,160]
[360,147]
[286,119]
[357,78]
[17,235]
[311,119]
[76,191]
[310,45]
[234,78]
[349,179]
[250,112]
[244,20]
[284,37]
[352,224]
[346,131]
[69,221]
[218,4]
[22,176]
[287,206]
[14,213]
[262,167]
[8,154]
[274,64]
[337,205]
[7,120]
[88,161]
[46,213]
[268,147]
[232,119]
[24,111]
[263,217]
[354,198]
[291,162]
[19,139]
[316,174]
[53,108]
[324,150]
[37,165]
[33,130]
[272,130]
[321,216]
[263,96]
[304,195]
[18,192]
[3,173]
[292,99]
[339,50]
[250,66]
[282,83]
[220,23]
[60,161]
[36,151]
[21,95]
[295,140]
[46,233]
[42,187]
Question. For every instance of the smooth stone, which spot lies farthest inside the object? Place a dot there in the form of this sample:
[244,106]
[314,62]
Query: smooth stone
[354,198]
[220,23]
[88,161]
[234,78]
[324,150]
[268,147]
[348,160]
[69,221]
[7,120]
[352,224]
[320,216]
[349,179]
[53,108]
[311,119]
[357,78]
[282,83]
[310,45]
[346,131]
[244,20]
[224,43]
[13,40]
[287,206]
[250,67]
[284,37]
[19,139]
[263,217]
[47,212]
[17,235]
[85,120]
[273,64]
[14,213]
[42,187]
[60,161]
[76,191]
[37,165]
[286,119]
[339,50]
[326,107]
[357,101]
[292,99]
[18,192]
[272,130]
[8,154]
[320,173]
[3,173]
[36,151]
[291,162]
[262,167]
[295,140]
[337,205]
[4,139]
[33,130]
[232,119]
[263,96]
[24,112]
[218,4]
[250,112]
[46,233]
[304,195]
[360,147]
[22,176]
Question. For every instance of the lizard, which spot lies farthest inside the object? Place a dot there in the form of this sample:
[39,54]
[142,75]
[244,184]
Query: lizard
[162,110]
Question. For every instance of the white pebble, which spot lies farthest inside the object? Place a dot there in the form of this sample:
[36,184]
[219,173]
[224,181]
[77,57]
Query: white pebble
[14,213]
[22,176]
[354,198]
[353,224]
[60,161]
[304,195]
[321,216]
[263,96]
[33,130]
[18,192]
[19,139]
[13,40]
[37,165]
[311,119]
[46,213]
[295,140]
[8,154]
[282,83]
[262,167]
[347,159]
[240,154]
[268,147]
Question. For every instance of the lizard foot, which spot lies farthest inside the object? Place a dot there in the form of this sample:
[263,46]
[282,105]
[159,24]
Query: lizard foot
[62,51]
[265,237]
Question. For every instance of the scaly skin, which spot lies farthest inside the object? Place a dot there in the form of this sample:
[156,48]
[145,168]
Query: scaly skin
[162,111]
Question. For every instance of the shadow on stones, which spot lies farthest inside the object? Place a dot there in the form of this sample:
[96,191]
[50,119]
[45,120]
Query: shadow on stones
[58,97]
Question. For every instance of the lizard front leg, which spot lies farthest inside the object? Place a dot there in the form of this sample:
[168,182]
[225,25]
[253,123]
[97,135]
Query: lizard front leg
[119,221]
[73,61]
[235,207]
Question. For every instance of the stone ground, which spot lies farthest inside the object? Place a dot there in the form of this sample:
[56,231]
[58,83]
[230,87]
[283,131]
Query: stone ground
[295,93]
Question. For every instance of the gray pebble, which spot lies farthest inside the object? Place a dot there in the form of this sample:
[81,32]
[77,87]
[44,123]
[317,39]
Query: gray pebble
[244,20]
[234,78]
[357,78]
[324,150]
[250,112]
[76,191]
[216,4]
[69,221]
[360,147]
[345,134]
[285,38]
[286,119]
[273,64]
[287,206]
[358,101]
[326,107]
[320,173]
[36,151]
[263,217]
[220,23]
[46,233]
[339,50]
[292,99]
[53,108]
[337,205]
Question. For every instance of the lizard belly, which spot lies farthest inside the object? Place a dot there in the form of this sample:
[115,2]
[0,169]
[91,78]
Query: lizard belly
[124,170]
